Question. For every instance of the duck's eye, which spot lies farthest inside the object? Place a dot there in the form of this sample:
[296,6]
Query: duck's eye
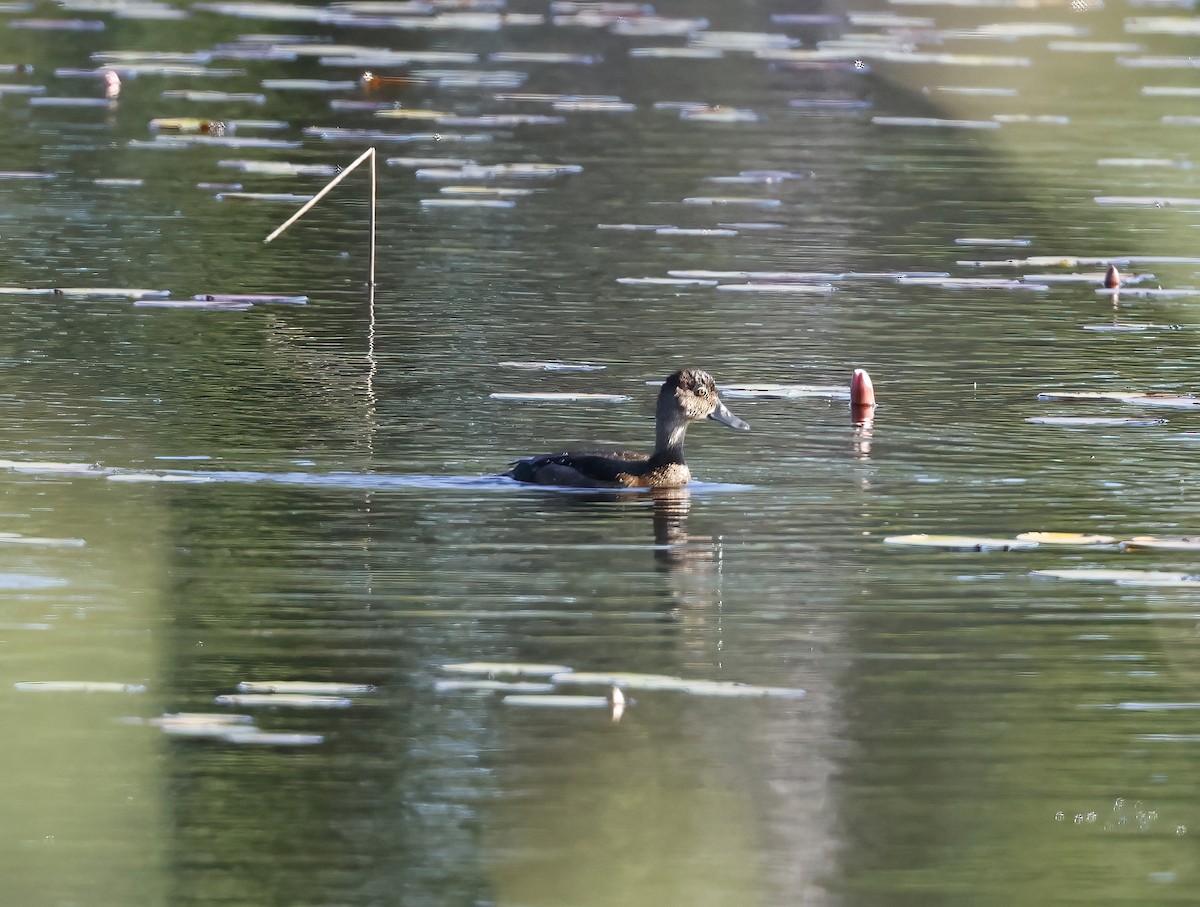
[702,391]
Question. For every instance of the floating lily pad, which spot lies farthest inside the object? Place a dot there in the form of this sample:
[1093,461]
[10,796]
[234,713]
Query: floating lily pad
[77,686]
[250,298]
[1175,401]
[970,283]
[1083,395]
[784,391]
[286,198]
[561,397]
[467,203]
[719,115]
[555,366]
[553,701]
[665,282]
[623,679]
[289,700]
[256,737]
[1181,543]
[492,686]
[506,669]
[1066,538]
[962,542]
[694,231]
[935,122]
[1122,577]
[15,538]
[669,683]
[732,200]
[207,305]
[198,724]
[1124,327]
[1147,201]
[1095,421]
[778,287]
[308,687]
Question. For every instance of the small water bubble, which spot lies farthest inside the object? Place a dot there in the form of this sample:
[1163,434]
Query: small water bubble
[1181,829]
[1118,804]
[1059,816]
[1078,818]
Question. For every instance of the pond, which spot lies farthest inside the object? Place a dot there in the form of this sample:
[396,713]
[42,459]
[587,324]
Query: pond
[276,630]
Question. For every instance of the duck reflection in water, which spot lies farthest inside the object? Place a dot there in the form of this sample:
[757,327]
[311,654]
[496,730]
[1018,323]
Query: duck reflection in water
[687,396]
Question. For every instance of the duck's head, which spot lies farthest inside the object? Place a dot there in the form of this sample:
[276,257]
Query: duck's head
[692,394]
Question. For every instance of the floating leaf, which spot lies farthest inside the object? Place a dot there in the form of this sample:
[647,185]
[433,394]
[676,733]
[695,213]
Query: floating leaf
[962,542]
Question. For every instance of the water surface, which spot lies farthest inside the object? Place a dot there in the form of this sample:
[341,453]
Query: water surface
[200,499]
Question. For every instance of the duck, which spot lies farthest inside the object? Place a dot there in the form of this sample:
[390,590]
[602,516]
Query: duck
[689,395]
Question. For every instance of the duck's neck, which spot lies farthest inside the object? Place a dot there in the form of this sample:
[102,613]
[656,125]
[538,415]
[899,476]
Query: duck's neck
[668,438]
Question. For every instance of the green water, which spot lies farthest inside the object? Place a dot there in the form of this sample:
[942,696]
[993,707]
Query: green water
[308,493]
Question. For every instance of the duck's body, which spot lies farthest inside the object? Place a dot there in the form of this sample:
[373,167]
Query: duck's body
[686,397]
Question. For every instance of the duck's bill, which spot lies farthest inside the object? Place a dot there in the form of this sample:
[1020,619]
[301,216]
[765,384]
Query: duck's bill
[725,417]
